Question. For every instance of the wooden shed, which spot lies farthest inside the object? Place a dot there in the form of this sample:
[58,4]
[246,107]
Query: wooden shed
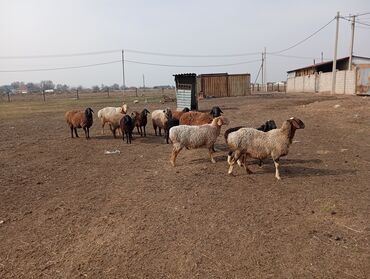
[223,85]
[186,91]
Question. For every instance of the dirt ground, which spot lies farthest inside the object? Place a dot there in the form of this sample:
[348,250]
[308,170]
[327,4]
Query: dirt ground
[67,210]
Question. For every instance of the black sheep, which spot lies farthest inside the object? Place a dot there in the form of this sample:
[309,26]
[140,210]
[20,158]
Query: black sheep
[127,124]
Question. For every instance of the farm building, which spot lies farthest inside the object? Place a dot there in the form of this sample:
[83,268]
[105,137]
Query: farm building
[318,77]
[223,85]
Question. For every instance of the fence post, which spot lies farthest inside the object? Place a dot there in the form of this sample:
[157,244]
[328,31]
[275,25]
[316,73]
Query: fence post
[77,96]
[108,92]
[43,94]
[8,96]
[136,92]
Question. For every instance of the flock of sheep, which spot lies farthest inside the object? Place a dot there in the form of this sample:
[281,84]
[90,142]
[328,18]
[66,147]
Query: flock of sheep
[192,129]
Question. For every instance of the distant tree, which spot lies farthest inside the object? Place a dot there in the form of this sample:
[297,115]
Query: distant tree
[115,86]
[95,89]
[32,87]
[47,84]
[62,87]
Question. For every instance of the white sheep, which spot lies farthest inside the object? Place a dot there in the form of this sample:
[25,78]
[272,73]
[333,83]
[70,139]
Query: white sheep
[196,136]
[260,145]
[160,118]
[108,113]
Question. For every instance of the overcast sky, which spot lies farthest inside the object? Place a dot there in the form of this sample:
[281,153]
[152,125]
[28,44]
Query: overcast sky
[192,27]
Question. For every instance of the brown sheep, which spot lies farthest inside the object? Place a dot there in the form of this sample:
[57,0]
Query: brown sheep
[141,119]
[80,119]
[199,118]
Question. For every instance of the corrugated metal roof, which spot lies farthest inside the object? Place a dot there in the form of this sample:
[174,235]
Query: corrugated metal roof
[325,63]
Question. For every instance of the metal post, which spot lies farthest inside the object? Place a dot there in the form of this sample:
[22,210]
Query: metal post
[123,73]
[143,82]
[265,69]
[335,57]
[352,41]
[77,96]
[262,72]
[43,94]
[322,57]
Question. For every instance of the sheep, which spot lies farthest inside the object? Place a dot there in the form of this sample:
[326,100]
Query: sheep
[80,119]
[105,114]
[267,126]
[141,121]
[114,122]
[127,125]
[174,121]
[178,114]
[260,145]
[195,137]
[160,118]
[200,118]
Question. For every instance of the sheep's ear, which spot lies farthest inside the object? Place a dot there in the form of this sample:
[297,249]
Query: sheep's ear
[221,111]
[91,110]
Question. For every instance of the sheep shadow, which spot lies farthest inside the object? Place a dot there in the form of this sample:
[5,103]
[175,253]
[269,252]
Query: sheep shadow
[300,171]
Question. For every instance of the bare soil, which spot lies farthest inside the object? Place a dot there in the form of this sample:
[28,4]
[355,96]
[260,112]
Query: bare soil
[67,210]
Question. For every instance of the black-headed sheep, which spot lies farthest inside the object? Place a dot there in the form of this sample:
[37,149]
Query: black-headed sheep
[80,119]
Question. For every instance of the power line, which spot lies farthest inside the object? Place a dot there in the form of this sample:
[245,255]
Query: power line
[191,55]
[302,41]
[128,61]
[61,55]
[298,57]
[157,53]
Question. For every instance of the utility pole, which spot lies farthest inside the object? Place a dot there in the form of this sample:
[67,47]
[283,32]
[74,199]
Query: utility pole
[123,73]
[335,57]
[143,82]
[262,72]
[322,57]
[265,69]
[352,41]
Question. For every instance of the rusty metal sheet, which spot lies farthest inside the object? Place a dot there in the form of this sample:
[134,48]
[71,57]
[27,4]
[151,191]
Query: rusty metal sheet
[363,81]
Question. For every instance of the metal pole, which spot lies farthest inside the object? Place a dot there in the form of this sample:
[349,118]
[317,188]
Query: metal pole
[123,73]
[352,41]
[262,80]
[265,69]
[322,57]
[143,82]
[335,57]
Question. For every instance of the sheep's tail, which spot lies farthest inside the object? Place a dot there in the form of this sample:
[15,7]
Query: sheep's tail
[100,114]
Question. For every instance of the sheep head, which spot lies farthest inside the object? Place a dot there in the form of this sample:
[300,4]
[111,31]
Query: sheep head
[124,108]
[216,112]
[167,112]
[219,121]
[291,125]
[89,112]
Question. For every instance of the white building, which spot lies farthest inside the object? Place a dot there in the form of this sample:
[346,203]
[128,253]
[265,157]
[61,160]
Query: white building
[318,77]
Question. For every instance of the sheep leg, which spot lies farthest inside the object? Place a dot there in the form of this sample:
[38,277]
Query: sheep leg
[244,162]
[155,128]
[277,173]
[160,131]
[144,131]
[175,151]
[127,137]
[76,133]
[211,151]
[102,128]
[232,158]
[71,131]
[85,132]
